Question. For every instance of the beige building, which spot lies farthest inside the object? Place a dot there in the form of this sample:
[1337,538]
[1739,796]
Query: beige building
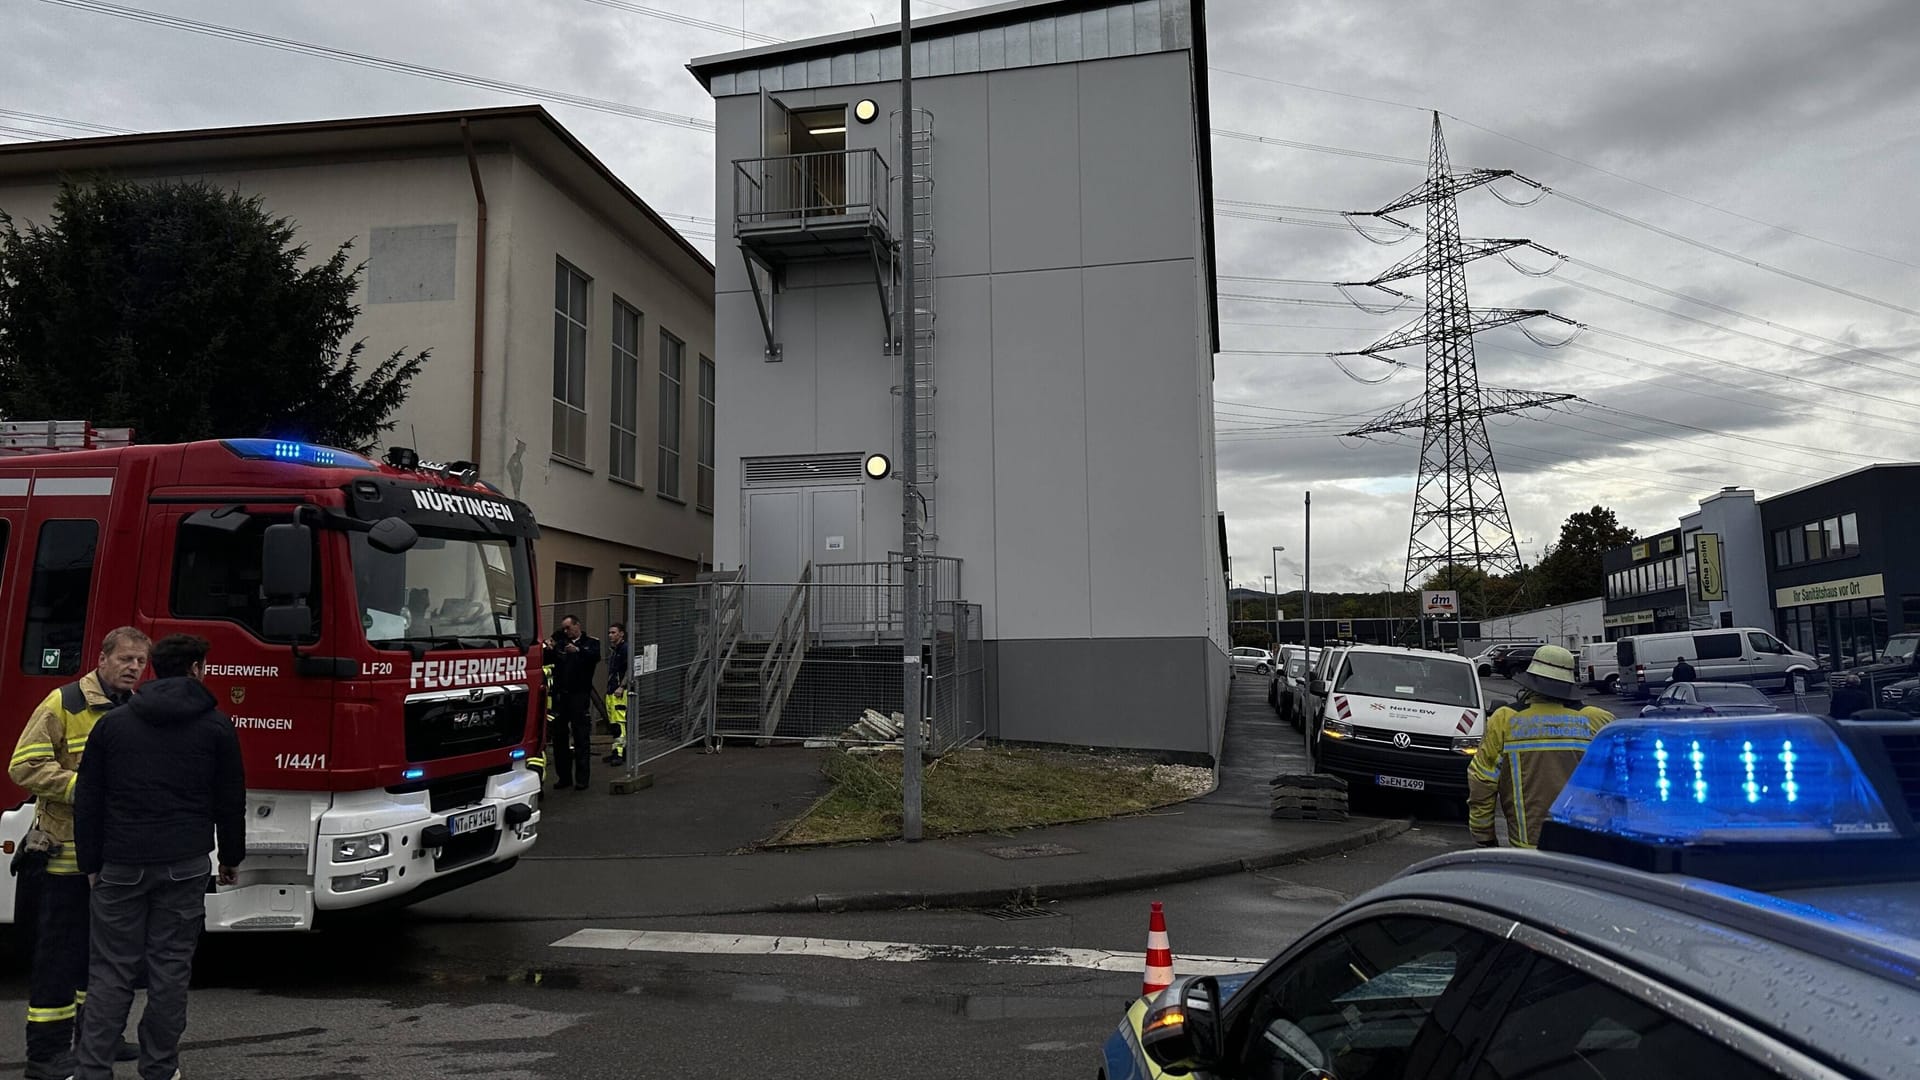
[571,349]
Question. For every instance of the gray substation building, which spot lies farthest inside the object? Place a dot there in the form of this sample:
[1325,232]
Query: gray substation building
[1064,317]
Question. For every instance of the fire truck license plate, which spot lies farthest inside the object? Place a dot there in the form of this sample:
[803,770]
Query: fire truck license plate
[487,817]
[1394,781]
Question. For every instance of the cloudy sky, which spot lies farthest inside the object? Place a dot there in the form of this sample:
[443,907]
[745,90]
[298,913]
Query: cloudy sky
[1782,134]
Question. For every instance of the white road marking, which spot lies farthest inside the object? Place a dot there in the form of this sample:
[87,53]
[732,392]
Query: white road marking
[664,941]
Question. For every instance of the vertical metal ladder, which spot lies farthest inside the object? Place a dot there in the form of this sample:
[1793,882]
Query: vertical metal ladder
[920,247]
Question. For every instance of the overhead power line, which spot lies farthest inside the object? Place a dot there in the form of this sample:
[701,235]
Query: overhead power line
[687,20]
[306,48]
[61,121]
[1657,189]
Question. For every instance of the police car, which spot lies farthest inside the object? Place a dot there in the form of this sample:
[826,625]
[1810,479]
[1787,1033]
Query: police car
[1713,899]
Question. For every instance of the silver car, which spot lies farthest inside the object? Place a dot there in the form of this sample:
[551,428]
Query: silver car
[1246,658]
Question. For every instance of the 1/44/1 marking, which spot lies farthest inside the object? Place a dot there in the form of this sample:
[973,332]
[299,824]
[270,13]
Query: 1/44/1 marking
[300,761]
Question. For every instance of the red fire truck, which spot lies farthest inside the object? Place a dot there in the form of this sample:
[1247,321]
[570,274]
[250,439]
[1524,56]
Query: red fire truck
[373,638]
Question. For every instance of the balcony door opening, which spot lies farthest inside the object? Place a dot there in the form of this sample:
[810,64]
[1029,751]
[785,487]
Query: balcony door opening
[820,136]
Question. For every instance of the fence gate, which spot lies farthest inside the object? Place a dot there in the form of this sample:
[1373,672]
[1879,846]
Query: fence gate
[673,636]
[958,676]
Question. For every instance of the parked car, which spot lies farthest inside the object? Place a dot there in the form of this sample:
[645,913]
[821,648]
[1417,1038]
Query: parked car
[1513,661]
[1709,699]
[1741,654]
[1318,676]
[1903,695]
[1899,660]
[1246,658]
[1401,719]
[1489,661]
[1288,690]
[1600,666]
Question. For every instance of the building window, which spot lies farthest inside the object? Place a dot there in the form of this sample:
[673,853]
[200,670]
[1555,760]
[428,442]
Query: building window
[1849,534]
[56,627]
[569,363]
[570,584]
[673,354]
[1910,613]
[1796,547]
[703,484]
[1830,538]
[623,436]
[1781,555]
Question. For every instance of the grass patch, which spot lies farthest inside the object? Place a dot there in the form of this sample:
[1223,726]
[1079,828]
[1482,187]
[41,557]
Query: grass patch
[983,789]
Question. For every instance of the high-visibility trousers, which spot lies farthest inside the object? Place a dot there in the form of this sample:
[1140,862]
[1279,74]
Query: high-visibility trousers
[617,716]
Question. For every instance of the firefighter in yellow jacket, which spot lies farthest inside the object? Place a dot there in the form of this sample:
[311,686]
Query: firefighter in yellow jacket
[1530,750]
[46,761]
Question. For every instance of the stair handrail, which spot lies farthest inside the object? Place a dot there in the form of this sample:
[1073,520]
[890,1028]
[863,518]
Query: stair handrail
[789,645]
[720,638]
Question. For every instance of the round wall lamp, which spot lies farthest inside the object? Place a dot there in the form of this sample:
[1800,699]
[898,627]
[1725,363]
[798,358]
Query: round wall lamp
[866,110]
[878,467]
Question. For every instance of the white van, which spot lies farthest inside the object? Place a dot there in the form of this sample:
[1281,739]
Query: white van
[1742,654]
[1600,666]
[1400,718]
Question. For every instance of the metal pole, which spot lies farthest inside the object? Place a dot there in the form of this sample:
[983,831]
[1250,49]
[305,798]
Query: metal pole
[1276,596]
[906,314]
[1306,580]
[631,751]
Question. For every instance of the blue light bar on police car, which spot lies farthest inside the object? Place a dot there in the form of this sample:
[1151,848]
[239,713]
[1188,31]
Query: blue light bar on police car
[298,453]
[1770,779]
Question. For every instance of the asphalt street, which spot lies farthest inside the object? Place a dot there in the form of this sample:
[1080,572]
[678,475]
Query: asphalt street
[408,997]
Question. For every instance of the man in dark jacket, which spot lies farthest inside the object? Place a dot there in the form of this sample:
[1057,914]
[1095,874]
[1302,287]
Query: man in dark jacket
[574,655]
[1849,698]
[161,776]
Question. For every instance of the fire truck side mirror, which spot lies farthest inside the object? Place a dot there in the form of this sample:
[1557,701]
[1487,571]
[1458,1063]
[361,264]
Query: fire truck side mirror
[392,535]
[286,562]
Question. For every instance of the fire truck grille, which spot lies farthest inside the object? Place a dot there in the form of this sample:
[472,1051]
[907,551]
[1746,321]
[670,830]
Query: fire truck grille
[444,729]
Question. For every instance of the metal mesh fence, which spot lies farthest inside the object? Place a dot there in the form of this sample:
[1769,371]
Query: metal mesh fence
[818,660]
[958,676]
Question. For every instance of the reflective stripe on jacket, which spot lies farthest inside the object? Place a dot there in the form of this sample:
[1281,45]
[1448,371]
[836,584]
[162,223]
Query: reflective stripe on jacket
[1525,759]
[46,760]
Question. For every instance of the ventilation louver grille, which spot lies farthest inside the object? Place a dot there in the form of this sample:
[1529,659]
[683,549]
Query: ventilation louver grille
[820,469]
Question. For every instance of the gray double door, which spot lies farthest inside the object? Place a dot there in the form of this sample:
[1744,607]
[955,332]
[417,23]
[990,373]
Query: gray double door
[787,528]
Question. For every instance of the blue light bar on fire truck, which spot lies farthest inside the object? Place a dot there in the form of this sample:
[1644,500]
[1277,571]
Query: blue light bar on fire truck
[1759,802]
[298,453]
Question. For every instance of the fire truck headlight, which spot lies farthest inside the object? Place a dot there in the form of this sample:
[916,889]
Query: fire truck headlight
[356,848]
[366,879]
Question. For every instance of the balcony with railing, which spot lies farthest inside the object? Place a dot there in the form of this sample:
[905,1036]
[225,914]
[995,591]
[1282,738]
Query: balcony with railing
[827,204]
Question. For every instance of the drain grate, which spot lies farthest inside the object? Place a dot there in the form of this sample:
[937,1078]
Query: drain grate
[1019,912]
[1031,851]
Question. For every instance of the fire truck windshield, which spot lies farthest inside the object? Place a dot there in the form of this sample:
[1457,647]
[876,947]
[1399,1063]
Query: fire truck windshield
[445,592]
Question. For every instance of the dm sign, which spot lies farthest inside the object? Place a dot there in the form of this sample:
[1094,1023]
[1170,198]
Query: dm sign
[1440,602]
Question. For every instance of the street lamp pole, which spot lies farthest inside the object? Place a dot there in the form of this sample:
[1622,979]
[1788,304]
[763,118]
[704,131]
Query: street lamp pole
[1268,582]
[906,322]
[1277,549]
[1306,581]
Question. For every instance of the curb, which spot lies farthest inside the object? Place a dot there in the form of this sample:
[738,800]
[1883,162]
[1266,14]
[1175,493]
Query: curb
[902,900]
[1074,890]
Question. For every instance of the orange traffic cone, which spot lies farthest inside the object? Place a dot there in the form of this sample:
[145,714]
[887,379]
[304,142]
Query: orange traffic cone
[1159,954]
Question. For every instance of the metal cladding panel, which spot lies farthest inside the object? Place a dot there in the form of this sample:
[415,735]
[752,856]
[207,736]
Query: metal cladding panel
[1136,121]
[1120,29]
[1040,456]
[1140,320]
[1036,189]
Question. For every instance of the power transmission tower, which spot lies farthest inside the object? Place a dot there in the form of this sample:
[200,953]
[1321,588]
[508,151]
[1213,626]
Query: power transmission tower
[1459,513]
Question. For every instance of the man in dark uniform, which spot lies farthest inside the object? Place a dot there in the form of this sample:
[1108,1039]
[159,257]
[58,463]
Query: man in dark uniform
[575,655]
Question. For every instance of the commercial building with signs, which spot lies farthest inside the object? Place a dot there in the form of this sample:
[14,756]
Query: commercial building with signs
[1843,563]
[1709,572]
[570,326]
[1063,316]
